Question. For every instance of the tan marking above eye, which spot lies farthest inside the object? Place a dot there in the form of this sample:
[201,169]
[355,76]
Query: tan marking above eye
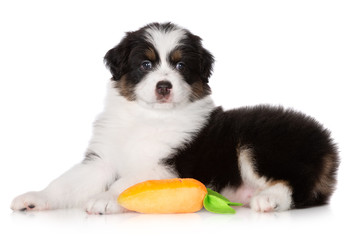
[176,56]
[150,54]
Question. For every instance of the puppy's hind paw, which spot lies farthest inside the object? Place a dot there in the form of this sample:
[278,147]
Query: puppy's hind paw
[275,198]
[264,203]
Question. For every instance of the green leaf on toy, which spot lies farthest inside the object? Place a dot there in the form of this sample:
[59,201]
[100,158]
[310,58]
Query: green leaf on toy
[214,193]
[216,203]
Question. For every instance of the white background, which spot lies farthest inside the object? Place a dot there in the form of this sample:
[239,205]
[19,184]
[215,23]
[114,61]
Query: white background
[299,54]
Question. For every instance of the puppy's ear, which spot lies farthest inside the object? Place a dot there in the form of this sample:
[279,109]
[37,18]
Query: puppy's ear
[116,59]
[206,64]
[205,57]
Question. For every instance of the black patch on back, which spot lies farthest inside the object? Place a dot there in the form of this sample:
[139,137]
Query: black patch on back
[286,145]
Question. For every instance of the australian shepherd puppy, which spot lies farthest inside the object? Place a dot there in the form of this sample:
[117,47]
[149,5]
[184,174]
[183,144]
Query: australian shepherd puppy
[159,122]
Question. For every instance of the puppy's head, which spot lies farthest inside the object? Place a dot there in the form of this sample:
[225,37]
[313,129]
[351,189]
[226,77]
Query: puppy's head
[160,66]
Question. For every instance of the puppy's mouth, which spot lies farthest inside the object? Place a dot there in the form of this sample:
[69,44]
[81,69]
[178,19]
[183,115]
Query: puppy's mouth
[164,98]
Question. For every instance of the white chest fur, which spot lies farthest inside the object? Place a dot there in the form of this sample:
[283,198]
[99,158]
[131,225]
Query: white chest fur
[133,139]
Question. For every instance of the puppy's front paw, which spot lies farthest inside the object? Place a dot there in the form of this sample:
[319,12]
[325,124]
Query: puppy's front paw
[31,201]
[103,203]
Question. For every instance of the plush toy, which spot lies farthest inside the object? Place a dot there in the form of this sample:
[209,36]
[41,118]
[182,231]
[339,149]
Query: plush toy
[178,195]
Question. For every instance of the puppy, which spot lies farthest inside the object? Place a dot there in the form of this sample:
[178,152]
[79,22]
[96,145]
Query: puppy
[159,122]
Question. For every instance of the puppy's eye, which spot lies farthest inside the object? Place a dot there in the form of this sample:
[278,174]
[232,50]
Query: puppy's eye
[180,66]
[146,65]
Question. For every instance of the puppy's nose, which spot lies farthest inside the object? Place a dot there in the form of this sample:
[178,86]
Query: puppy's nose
[163,88]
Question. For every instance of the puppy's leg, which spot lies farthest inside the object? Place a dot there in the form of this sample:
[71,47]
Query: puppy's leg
[269,195]
[72,189]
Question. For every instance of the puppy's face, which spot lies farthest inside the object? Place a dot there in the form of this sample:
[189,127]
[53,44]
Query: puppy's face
[160,66]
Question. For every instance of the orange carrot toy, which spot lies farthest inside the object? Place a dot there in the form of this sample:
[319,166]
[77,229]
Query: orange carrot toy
[178,195]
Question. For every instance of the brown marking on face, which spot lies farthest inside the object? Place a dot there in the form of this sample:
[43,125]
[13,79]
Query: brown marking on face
[176,56]
[125,88]
[326,182]
[199,90]
[150,54]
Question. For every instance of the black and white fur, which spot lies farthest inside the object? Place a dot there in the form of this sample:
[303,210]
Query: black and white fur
[160,122]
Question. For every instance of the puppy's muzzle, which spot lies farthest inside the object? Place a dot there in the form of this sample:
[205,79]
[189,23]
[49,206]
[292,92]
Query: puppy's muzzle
[163,89]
